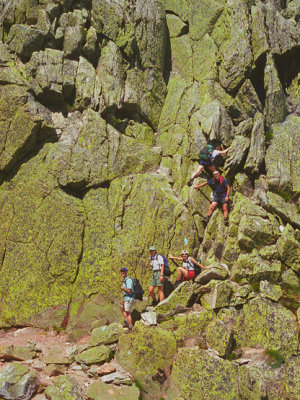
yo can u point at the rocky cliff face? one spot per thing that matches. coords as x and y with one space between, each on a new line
117 97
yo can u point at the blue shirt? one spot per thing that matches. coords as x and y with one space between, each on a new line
128 284
217 186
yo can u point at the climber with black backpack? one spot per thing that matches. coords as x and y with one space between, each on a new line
190 267
207 157
205 161
221 192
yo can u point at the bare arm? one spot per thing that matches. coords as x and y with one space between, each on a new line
228 191
196 262
226 150
174 258
201 185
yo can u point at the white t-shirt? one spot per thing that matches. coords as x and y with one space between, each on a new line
157 261
188 265
215 154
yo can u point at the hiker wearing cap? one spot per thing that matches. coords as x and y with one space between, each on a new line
187 271
157 280
221 195
127 288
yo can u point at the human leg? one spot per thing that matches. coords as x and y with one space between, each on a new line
212 208
127 309
123 310
160 293
194 174
151 291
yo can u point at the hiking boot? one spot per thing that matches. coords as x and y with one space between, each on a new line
206 220
128 330
190 182
154 303
226 221
125 324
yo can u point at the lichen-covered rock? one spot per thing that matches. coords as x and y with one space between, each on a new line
46 68
147 353
106 334
192 325
259 36
270 325
15 352
58 355
24 40
240 145
103 391
64 387
18 382
275 107
285 210
175 25
181 297
270 291
88 86
219 337
282 161
74 39
94 355
235 50
182 57
219 296
289 249
255 232
198 374
215 271
111 75
204 58
20 128
256 153
254 269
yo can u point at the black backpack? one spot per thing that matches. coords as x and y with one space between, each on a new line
197 269
137 289
205 153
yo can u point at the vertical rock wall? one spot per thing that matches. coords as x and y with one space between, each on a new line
104 106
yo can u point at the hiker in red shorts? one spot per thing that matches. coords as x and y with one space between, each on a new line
187 271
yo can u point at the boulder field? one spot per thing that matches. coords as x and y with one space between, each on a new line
104 107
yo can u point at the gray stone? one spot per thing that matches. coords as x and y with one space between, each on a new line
94 355
216 271
106 334
24 40
149 318
282 161
275 106
118 378
219 337
18 382
256 153
64 387
270 291
178 299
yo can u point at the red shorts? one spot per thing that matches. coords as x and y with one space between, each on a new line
190 275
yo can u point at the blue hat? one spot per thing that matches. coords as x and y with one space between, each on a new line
124 269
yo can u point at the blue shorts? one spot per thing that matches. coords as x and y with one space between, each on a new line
220 198
205 163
